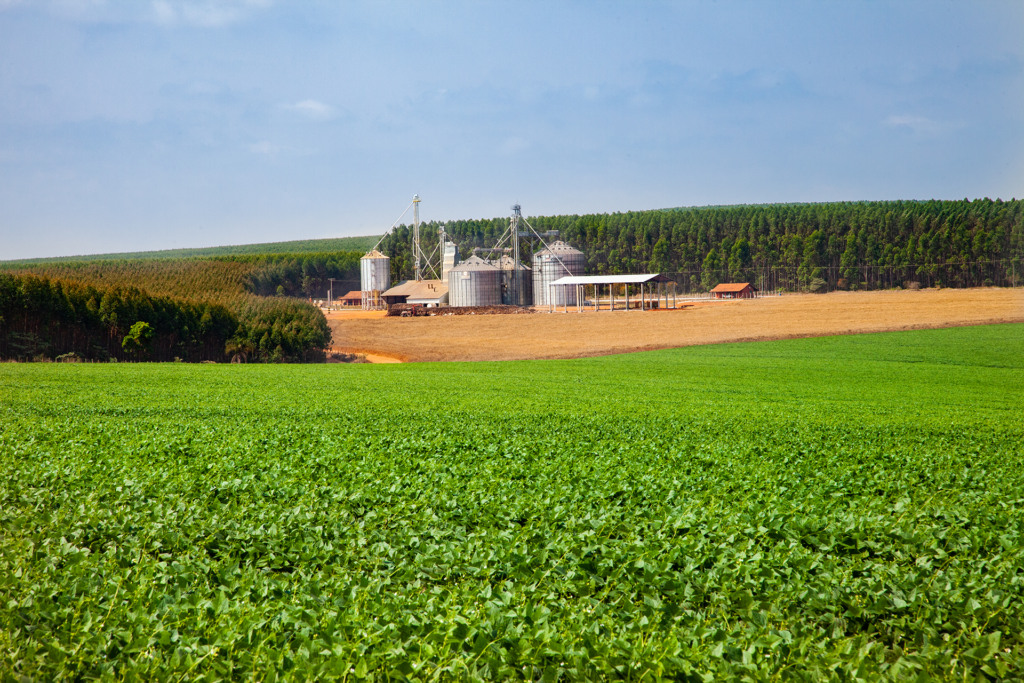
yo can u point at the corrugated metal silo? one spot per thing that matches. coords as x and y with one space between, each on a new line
374 277
474 282
549 264
515 293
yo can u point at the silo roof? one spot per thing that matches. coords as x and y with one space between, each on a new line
472 263
558 247
373 253
508 263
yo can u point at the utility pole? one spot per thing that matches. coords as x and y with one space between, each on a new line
416 251
330 293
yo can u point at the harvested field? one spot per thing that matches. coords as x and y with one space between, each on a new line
574 335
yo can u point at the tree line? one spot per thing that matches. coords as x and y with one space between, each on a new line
220 279
300 275
842 245
42 318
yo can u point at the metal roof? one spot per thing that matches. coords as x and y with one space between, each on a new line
418 289
732 287
637 279
558 247
373 253
508 263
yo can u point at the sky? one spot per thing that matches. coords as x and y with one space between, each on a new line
130 125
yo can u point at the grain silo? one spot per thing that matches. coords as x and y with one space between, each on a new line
516 282
551 263
474 282
374 278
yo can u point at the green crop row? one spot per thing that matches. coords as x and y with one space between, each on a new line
814 509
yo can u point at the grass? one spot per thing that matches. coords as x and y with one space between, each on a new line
818 508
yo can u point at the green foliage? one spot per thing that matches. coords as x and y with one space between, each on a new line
138 339
215 289
307 275
867 244
51 318
837 508
335 244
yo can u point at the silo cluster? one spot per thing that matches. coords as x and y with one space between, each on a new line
478 282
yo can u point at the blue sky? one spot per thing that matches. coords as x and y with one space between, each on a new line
131 125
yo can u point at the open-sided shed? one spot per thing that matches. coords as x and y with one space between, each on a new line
649 289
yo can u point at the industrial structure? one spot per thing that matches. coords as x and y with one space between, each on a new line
516 282
497 275
374 278
551 263
474 282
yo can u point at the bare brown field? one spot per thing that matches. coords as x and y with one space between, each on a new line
575 335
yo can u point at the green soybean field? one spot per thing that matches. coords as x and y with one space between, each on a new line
845 508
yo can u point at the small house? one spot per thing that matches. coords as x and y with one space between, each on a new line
352 299
735 290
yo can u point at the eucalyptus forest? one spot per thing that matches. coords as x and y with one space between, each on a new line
819 247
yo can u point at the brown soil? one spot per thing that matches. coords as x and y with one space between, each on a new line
574 335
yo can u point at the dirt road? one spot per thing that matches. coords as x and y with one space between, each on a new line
573 335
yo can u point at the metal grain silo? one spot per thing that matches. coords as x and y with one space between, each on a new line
551 263
516 282
474 282
374 277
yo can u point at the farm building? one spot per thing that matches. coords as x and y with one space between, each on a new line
426 292
353 298
657 289
734 290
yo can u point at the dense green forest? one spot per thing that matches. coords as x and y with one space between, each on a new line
47 319
220 279
250 307
795 247
331 244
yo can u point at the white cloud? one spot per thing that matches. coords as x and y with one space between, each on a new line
204 13
264 148
313 109
919 125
